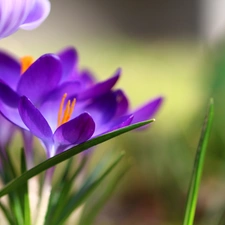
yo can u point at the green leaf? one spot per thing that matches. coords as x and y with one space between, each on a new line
198 167
66 155
95 178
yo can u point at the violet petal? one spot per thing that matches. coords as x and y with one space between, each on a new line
40 78
34 120
86 78
122 103
9 69
115 124
75 131
102 109
148 110
9 101
69 58
8 96
100 88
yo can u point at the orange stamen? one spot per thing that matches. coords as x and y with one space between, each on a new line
63 117
72 108
66 112
26 62
61 109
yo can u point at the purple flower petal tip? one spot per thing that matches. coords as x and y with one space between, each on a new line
148 110
100 88
69 58
75 131
25 14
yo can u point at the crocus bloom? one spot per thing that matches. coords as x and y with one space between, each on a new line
63 106
24 14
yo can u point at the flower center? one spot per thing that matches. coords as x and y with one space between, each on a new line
26 62
64 116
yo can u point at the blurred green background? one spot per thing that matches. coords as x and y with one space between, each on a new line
165 48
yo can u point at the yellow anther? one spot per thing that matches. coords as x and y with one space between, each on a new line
63 117
26 62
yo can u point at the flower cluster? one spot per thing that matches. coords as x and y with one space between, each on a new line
60 104
65 107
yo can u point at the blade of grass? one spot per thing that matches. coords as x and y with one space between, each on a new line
66 155
198 167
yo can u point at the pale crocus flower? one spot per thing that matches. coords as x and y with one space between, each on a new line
22 14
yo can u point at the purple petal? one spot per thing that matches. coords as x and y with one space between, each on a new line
100 88
8 96
40 78
86 78
76 131
34 120
102 109
69 58
122 103
115 124
37 15
7 130
9 101
9 69
147 111
70 88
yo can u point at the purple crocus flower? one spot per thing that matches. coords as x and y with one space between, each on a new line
61 105
24 14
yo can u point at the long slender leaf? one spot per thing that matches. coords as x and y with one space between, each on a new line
198 167
66 155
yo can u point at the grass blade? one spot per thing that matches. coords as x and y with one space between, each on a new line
198 167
